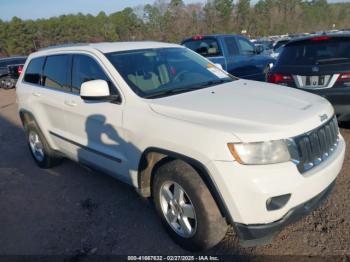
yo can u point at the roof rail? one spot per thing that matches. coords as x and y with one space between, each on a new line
63 45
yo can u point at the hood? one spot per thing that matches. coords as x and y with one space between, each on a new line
251 111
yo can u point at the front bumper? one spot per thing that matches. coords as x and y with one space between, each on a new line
253 232
245 190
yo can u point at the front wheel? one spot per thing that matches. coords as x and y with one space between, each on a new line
188 210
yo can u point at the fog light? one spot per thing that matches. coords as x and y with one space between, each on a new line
275 203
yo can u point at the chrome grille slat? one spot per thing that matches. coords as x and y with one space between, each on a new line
317 145
316 148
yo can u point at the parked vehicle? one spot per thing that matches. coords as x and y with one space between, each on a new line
210 149
320 65
10 69
235 53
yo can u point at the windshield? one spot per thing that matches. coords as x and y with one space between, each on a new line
155 73
332 51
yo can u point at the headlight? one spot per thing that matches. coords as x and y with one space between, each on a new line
260 153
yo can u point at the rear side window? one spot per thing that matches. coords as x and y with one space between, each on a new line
207 47
56 72
280 43
34 69
86 69
313 52
231 46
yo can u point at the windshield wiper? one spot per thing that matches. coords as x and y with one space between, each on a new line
171 92
330 60
187 89
214 82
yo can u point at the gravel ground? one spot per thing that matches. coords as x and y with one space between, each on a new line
74 211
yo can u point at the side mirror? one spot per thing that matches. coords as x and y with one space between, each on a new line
259 49
95 90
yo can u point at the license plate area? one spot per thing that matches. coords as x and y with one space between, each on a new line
313 82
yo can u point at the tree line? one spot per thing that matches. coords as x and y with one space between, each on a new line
172 20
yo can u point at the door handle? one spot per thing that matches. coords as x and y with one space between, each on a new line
70 103
37 94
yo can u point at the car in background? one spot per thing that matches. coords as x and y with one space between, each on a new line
234 53
10 69
320 65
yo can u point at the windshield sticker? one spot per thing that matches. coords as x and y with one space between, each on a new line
217 72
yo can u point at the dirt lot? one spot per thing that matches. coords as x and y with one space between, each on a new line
72 210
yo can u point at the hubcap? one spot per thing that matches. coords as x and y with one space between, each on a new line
36 146
178 209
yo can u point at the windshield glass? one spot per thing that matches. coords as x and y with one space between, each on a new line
333 51
155 73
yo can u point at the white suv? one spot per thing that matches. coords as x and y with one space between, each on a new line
210 149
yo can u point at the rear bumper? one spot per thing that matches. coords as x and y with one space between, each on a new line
262 232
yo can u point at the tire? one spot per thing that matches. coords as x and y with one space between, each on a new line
40 150
193 219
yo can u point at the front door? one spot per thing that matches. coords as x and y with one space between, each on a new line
95 127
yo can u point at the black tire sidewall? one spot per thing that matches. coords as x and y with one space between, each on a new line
208 216
48 159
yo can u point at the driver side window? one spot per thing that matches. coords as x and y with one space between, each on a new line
246 47
86 69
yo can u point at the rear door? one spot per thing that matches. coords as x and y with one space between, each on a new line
94 128
48 96
245 65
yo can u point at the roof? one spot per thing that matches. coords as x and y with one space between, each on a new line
109 47
211 36
305 38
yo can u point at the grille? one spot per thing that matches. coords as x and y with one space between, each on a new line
317 145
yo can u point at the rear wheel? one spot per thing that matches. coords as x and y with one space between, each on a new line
186 207
43 155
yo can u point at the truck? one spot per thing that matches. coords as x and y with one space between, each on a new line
236 54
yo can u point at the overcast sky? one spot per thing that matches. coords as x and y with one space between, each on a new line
32 9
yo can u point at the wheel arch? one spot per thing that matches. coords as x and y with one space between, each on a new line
26 117
154 157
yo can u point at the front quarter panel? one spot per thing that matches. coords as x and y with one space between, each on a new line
147 129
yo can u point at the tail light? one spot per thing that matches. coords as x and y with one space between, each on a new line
197 37
320 38
277 78
344 77
19 70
